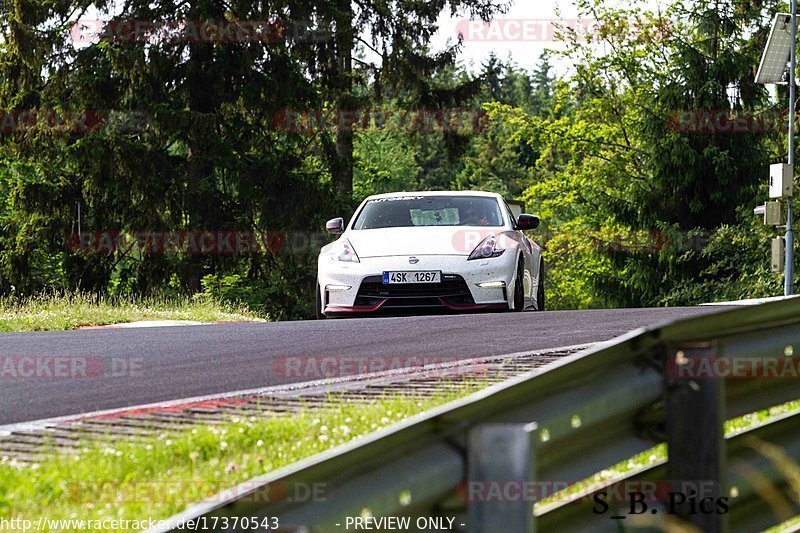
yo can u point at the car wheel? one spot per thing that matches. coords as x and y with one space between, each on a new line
318 306
519 288
540 288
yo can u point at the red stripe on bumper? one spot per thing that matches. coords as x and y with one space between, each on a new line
353 309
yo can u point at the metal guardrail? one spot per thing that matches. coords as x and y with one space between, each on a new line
567 422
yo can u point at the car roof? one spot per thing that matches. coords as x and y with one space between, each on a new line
435 193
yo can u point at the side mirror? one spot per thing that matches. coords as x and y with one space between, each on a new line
335 226
527 222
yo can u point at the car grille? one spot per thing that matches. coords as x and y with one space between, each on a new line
452 290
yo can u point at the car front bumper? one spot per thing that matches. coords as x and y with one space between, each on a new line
349 288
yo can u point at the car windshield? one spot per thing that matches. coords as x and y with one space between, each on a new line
414 211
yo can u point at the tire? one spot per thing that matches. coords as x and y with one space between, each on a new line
318 304
540 288
519 288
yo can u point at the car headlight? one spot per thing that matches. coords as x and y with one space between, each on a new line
487 249
344 252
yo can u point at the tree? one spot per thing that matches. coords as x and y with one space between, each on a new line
182 140
628 182
542 81
396 35
499 159
182 130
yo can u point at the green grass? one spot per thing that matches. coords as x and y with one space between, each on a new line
160 476
59 311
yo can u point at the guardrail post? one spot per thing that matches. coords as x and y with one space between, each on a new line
695 417
499 471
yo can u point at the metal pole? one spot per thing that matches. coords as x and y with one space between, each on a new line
695 434
502 452
789 272
789 275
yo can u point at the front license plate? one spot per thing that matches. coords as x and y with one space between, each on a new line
396 278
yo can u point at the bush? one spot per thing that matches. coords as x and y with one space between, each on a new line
281 289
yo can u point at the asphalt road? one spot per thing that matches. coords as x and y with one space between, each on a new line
51 374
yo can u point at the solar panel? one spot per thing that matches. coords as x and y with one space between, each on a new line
776 54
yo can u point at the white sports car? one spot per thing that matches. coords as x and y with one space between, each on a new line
454 251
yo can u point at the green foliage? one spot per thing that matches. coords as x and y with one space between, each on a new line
187 138
496 161
736 266
615 165
623 189
284 291
385 162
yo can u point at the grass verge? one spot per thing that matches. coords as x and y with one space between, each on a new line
158 477
60 311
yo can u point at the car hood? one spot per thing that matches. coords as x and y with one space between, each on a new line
418 241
